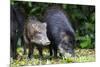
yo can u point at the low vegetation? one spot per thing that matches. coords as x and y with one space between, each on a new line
82 55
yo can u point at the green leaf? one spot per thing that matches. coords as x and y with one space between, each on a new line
86 42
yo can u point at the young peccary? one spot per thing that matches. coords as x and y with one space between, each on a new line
35 35
59 32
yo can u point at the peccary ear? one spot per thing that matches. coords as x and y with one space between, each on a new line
44 24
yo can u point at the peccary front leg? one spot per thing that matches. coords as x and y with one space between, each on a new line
30 51
40 52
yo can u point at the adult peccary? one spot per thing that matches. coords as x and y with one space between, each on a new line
59 31
35 35
16 28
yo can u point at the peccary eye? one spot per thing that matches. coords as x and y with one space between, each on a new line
39 32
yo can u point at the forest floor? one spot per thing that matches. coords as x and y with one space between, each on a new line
82 55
